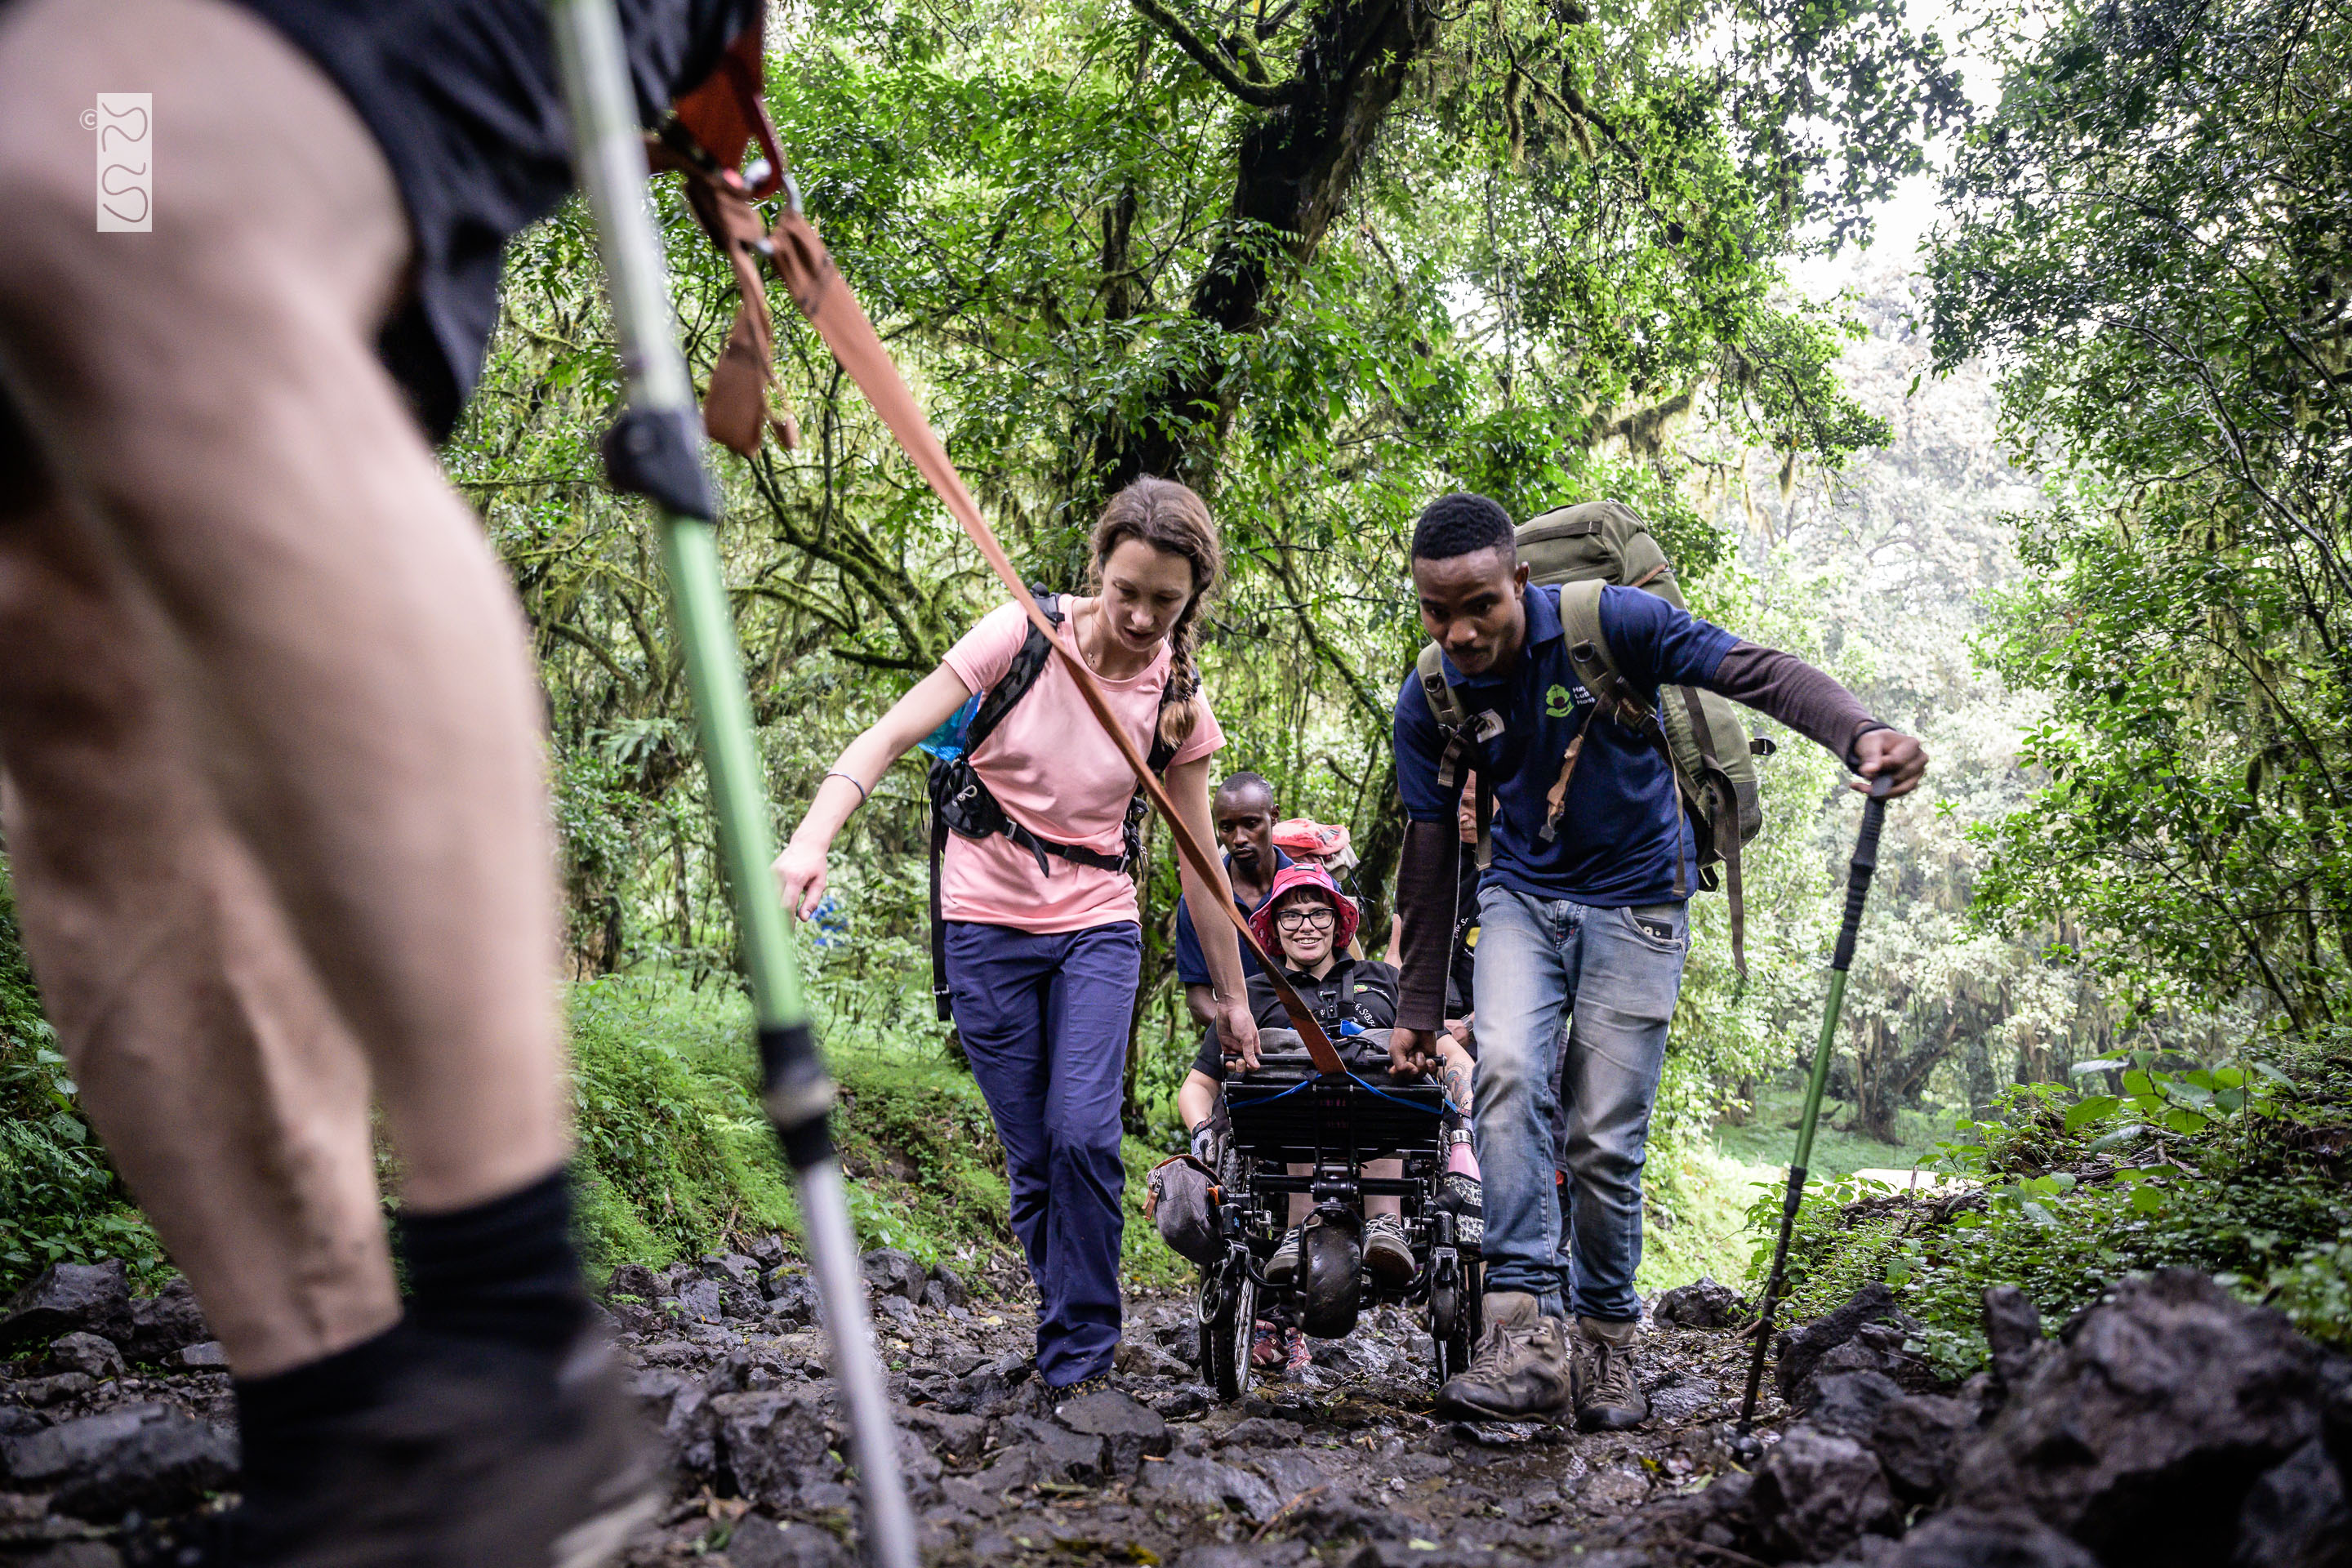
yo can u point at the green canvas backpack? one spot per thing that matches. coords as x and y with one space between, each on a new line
1583 549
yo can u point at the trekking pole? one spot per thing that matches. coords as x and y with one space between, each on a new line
1857 888
656 450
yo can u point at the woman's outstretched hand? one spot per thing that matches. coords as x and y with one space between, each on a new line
1237 1033
799 880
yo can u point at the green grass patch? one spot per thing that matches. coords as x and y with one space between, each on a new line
1768 1137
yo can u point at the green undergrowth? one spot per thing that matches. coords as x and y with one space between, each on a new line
1694 1215
2238 1170
59 1200
675 1159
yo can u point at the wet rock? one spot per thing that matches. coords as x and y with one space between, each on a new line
1973 1538
75 1554
1191 1481
767 1251
780 1445
2142 1435
1848 1403
1799 1350
1917 1439
760 1542
1130 1429
1679 1399
636 1280
42 1392
209 1356
699 1302
1702 1304
70 1298
679 1406
1246 1554
792 1300
953 1437
2295 1516
1816 1494
2012 1328
896 1309
730 1268
154 1458
890 1272
1261 1432
952 1289
16 1421
1179 1403
92 1355
1141 1358
1062 1455
1292 1471
165 1322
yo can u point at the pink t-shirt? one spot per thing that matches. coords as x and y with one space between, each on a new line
1056 773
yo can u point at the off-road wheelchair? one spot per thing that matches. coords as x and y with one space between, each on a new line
1286 1113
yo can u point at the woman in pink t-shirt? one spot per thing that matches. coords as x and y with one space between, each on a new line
1044 951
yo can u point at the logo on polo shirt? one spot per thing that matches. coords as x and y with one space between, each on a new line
1558 703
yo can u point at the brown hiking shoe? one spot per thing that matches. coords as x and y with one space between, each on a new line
1521 1370
1387 1257
1613 1399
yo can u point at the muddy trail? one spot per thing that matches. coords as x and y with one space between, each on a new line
2172 1425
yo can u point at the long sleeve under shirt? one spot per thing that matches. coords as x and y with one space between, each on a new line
1616 842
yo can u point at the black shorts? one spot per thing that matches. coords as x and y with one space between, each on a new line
462 96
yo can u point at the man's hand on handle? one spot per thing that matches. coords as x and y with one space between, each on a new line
1412 1053
1237 1033
1890 751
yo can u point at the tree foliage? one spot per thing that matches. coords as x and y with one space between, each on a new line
2153 234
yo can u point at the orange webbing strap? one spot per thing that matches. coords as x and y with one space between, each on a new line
800 259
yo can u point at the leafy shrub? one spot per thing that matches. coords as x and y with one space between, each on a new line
2237 1170
60 1201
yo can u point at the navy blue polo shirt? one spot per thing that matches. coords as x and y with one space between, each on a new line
1192 965
1615 845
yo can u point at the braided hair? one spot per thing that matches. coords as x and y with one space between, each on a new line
1168 517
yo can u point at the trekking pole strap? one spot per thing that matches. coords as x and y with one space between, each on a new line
824 297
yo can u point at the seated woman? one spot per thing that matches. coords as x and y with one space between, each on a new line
1305 924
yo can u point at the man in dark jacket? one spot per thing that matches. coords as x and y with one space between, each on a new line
1579 917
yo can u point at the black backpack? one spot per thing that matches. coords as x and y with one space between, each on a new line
961 804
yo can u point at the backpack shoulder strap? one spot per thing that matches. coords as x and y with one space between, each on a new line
1445 702
1028 663
1588 651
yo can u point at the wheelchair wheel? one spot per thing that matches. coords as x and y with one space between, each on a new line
1330 1268
1228 1316
1455 1306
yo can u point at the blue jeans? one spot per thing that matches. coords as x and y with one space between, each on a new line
1045 1021
1614 974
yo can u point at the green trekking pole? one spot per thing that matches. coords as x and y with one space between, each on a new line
656 450
1857 888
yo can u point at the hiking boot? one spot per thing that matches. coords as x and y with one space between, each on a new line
1388 1255
1522 1370
478 1456
1282 1269
1613 1399
1101 1383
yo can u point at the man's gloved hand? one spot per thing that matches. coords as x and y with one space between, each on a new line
1204 1145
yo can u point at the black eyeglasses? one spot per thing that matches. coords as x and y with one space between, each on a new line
1319 918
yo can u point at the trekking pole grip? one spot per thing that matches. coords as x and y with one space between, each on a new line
1859 870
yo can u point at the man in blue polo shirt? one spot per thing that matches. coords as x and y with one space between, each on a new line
1579 916
1242 810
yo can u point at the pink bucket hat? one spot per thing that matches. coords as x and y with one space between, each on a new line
1289 879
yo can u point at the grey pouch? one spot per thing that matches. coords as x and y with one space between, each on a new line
1185 1209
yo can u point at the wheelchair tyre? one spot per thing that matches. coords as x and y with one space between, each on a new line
1228 1330
1456 1306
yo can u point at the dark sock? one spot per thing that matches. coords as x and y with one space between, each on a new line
277 1415
504 1270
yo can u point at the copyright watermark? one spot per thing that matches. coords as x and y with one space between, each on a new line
125 124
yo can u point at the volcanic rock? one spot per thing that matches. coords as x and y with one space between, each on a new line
70 1298
950 1287
210 1355
1195 1482
1815 1494
636 1280
167 1321
1702 1304
1132 1430
1917 1440
699 1300
1971 1538
780 1447
154 1458
93 1356
1063 1454
2143 1435
890 1272
760 1542
1799 1350
2012 1328
2295 1516
1847 1403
